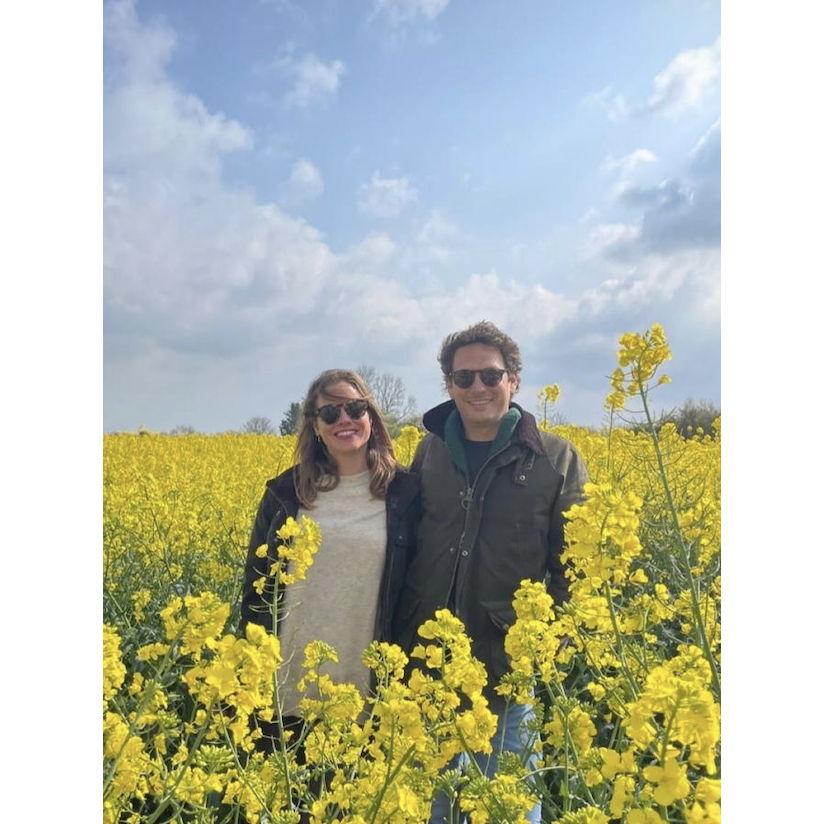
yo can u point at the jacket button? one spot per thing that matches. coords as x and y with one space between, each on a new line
521 477
452 549
464 553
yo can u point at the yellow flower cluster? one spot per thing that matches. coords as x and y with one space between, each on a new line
301 540
602 537
114 672
406 443
237 681
194 621
457 674
639 357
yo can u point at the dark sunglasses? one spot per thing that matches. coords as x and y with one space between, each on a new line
330 412
464 378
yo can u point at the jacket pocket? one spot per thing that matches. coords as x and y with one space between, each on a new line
500 613
501 616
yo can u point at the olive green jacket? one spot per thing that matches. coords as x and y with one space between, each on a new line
477 542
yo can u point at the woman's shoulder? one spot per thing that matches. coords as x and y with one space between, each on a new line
283 485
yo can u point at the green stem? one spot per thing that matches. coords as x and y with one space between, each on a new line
620 643
166 798
240 769
390 777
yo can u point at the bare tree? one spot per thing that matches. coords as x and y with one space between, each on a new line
369 375
390 393
258 426
397 407
182 429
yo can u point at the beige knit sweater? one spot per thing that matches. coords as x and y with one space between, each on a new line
337 602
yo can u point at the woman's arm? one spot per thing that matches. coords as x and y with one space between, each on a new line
254 606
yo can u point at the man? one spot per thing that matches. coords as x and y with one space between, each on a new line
494 489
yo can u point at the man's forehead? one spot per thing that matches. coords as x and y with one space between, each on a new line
477 355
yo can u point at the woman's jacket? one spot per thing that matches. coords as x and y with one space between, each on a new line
280 502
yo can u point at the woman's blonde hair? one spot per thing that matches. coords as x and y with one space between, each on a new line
316 468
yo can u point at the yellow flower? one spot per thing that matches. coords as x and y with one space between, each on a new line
301 540
643 816
671 781
140 600
114 673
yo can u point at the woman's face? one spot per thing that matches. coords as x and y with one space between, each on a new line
347 436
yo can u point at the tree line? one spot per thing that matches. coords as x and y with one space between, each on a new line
399 409
397 406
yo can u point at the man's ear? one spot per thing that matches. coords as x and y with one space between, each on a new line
515 380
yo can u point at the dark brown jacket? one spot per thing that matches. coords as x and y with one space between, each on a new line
477 542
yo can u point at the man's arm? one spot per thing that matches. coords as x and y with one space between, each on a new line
572 492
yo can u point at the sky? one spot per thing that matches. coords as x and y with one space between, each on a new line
291 187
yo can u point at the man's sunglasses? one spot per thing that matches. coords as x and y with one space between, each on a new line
330 412
464 378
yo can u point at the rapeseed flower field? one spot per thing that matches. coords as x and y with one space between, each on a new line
626 674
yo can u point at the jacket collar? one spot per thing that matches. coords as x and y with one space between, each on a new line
455 436
404 487
525 432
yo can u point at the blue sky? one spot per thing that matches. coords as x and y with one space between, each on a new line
291 187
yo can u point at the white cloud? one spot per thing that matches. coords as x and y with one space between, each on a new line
686 81
315 81
189 263
615 106
705 157
305 183
381 308
143 48
371 254
386 197
684 84
627 164
435 241
654 280
399 12
606 236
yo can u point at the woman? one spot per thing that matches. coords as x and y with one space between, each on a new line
347 480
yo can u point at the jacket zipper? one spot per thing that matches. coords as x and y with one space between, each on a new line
466 504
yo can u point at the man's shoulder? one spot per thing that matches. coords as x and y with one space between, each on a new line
560 452
554 443
403 483
430 443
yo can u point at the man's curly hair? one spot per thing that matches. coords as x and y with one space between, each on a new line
482 332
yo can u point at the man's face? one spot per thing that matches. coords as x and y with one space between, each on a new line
481 407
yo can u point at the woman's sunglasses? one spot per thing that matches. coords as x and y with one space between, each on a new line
330 412
464 378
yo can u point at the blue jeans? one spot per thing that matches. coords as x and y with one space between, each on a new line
511 736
